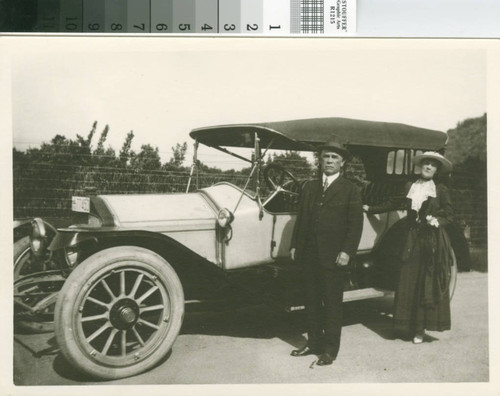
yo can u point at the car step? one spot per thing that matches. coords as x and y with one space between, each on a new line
351 295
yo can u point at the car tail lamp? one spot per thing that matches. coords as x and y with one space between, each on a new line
224 217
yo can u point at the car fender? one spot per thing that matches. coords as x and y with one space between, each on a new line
102 238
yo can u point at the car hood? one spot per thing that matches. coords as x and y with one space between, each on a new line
159 212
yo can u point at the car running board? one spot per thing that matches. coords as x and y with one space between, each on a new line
351 295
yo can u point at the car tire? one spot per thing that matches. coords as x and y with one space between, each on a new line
22 251
37 324
453 274
119 312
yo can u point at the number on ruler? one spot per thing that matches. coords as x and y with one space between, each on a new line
228 27
252 27
161 26
94 26
116 26
184 26
271 27
206 27
142 26
70 24
48 22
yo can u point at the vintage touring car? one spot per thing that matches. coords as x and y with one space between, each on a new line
114 285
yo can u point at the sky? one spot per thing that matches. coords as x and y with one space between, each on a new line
163 89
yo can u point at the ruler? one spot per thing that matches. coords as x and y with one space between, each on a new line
221 17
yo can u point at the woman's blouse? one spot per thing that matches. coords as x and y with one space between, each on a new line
420 191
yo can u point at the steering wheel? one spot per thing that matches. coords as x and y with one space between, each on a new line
278 177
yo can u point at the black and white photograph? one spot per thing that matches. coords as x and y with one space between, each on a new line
192 211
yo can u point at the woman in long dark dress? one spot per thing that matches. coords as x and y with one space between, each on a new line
422 297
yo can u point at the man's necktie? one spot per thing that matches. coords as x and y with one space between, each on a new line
325 184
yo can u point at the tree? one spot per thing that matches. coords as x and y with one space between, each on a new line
467 141
147 159
178 155
105 157
62 151
466 149
91 133
125 152
17 156
102 139
292 161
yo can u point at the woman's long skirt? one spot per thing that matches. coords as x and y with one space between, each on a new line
410 314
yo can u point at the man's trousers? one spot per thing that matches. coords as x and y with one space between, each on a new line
324 288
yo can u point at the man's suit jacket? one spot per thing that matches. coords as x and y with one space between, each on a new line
333 219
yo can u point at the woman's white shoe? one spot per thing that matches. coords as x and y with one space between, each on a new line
419 337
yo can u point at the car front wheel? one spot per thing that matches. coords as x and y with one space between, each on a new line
119 312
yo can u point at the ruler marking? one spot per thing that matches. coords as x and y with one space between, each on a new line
312 16
230 16
138 16
184 16
48 15
93 16
251 16
71 14
276 17
115 16
206 16
267 17
295 16
161 16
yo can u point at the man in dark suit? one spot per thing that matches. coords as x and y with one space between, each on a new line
326 236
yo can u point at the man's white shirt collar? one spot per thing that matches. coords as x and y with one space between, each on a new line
330 178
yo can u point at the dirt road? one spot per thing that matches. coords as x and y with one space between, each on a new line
253 346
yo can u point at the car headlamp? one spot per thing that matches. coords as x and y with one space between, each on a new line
224 217
38 237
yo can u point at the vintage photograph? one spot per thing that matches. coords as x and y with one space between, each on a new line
192 212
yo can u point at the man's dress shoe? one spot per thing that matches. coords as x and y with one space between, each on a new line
325 359
305 351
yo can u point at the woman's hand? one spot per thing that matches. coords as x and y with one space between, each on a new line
366 208
292 253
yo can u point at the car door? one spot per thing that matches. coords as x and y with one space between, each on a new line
283 224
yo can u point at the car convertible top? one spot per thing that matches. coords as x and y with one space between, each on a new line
308 134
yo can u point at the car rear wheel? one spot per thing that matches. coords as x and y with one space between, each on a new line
453 274
119 312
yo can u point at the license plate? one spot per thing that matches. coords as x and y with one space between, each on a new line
80 204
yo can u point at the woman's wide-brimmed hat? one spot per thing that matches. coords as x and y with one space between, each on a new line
337 147
445 163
